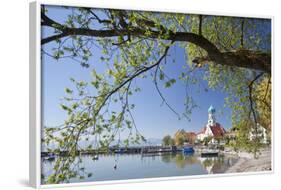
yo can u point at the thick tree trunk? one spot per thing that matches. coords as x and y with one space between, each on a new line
242 58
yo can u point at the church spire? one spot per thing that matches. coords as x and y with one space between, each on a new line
211 109
211 116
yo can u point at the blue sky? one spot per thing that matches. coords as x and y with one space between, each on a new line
152 119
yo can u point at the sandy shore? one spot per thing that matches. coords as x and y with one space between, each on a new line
247 163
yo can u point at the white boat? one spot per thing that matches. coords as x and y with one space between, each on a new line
50 157
209 153
96 157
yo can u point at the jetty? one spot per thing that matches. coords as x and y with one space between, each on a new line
149 150
120 150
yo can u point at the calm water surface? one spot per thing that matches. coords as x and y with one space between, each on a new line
134 166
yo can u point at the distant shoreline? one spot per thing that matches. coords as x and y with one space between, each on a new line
247 163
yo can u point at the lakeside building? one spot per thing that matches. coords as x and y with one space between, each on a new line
183 137
260 133
213 129
191 137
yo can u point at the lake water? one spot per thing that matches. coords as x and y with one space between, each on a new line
134 166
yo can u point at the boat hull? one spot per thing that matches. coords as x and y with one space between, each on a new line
209 154
188 150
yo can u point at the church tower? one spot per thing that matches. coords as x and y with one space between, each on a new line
211 116
212 128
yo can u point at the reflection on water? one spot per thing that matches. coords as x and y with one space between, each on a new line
212 165
134 166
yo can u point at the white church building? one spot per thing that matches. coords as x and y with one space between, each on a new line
212 129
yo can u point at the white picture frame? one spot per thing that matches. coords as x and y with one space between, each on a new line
35 120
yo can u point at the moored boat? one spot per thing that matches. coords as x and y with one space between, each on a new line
95 157
209 153
50 157
187 150
120 151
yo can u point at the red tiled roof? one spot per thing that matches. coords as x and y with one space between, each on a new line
217 130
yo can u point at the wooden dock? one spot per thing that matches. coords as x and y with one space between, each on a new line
121 150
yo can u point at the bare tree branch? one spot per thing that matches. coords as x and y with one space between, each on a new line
242 33
250 86
200 25
161 95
